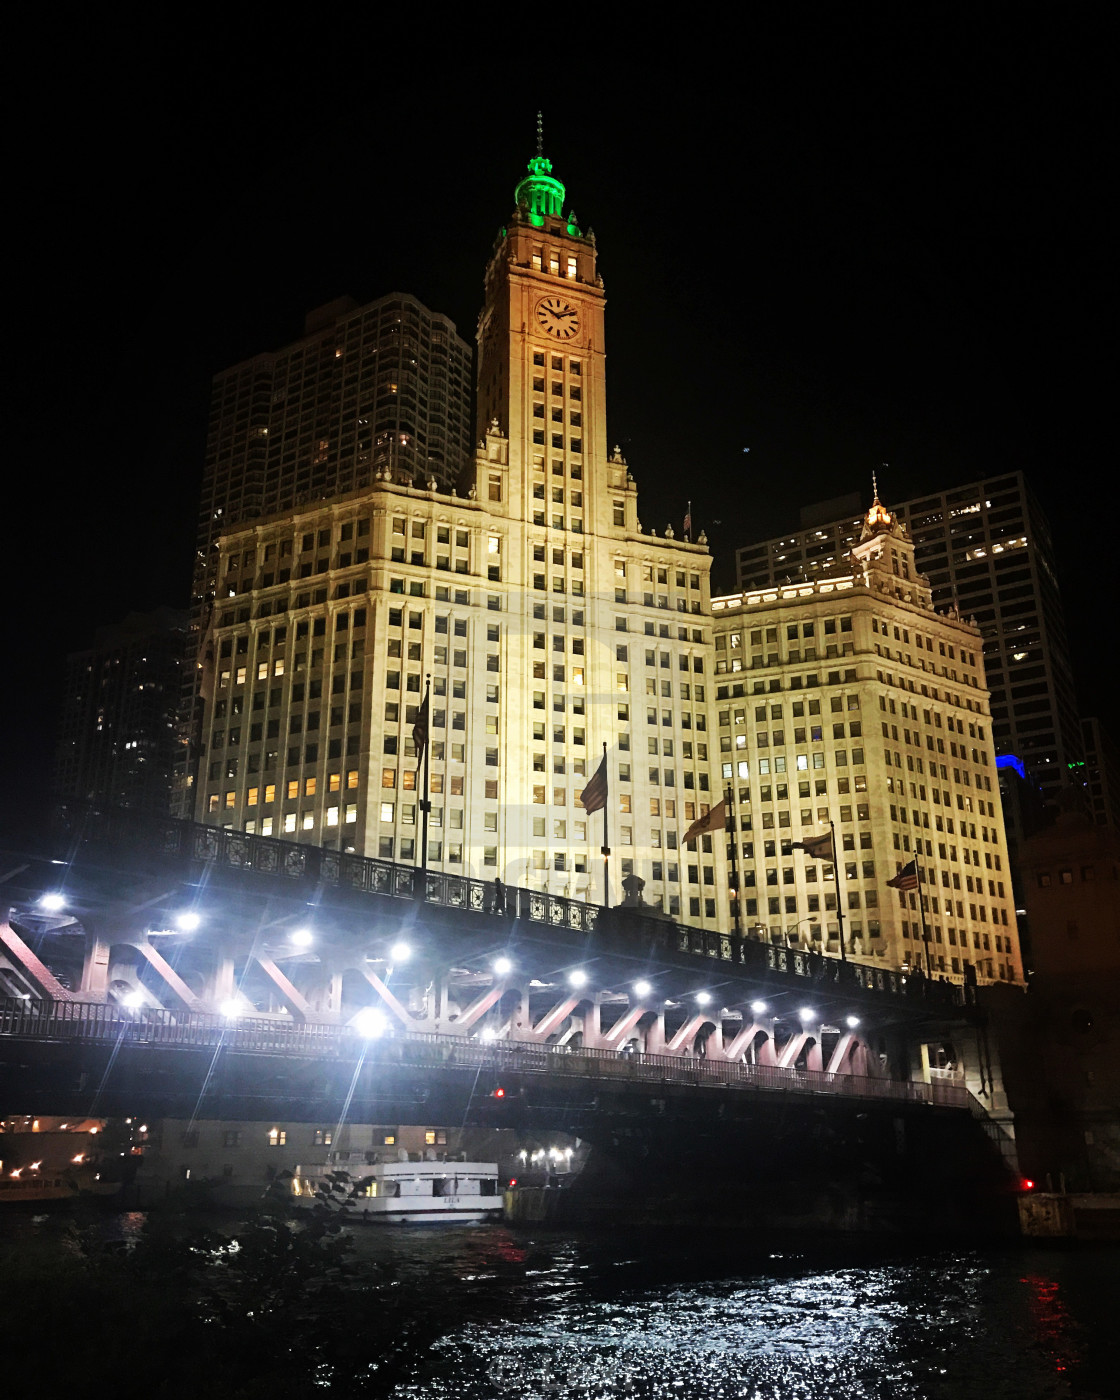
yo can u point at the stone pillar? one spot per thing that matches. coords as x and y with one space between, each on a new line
222 982
95 965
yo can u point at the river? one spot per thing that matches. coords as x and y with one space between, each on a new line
539 1315
625 1317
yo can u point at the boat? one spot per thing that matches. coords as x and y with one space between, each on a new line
38 1163
401 1192
34 1186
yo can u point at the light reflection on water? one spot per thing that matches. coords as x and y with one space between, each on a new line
613 1319
661 1316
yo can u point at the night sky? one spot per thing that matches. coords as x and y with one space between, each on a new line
842 237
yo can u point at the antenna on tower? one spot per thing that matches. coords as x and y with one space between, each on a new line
875 482
540 134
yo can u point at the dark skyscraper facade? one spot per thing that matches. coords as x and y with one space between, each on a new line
117 734
369 392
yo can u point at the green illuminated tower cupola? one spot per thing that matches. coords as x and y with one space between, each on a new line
540 194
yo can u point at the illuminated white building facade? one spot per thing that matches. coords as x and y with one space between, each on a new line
551 625
848 698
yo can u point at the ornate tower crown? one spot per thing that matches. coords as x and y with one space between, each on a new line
540 193
879 520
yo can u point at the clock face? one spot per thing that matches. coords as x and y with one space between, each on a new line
558 318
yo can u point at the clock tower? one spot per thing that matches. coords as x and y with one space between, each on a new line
603 625
541 364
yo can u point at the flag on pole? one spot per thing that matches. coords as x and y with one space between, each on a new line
420 728
817 847
714 819
688 522
906 879
594 796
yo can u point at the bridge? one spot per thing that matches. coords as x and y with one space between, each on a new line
182 970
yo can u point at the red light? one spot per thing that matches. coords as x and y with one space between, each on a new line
1027 1184
513 1181
499 1093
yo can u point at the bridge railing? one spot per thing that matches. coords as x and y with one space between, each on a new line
89 1022
289 860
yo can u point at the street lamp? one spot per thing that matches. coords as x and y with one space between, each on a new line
371 1022
577 978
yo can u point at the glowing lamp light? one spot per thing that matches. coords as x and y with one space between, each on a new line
52 902
303 937
1026 1184
132 1000
642 988
231 1008
578 978
498 1094
758 1007
371 1022
703 998
488 1034
400 952
852 1022
807 1013
188 921
503 967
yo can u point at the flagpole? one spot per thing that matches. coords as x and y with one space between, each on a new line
922 912
606 846
733 830
839 892
425 804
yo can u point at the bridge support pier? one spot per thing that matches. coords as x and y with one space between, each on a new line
222 983
95 965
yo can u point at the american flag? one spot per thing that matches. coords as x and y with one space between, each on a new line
906 879
594 796
688 522
420 728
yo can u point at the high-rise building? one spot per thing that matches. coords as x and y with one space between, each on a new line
847 706
1101 774
369 393
986 549
558 635
117 732
367 389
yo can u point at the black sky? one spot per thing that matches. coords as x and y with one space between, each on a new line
838 236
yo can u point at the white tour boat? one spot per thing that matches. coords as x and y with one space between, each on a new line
402 1192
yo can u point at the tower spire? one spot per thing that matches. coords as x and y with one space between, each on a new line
540 193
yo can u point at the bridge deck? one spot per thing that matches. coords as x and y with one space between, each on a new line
88 1024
